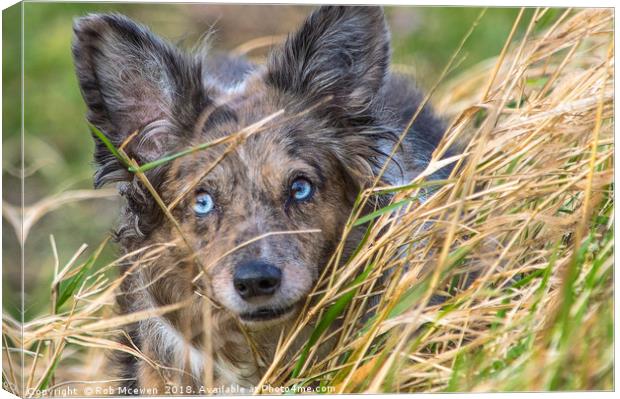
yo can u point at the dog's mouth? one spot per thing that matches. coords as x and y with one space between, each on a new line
267 314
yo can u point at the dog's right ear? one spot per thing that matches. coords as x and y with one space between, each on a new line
342 52
131 79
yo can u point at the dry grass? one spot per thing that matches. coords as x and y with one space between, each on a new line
528 216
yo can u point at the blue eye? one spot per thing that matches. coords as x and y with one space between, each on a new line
301 189
203 204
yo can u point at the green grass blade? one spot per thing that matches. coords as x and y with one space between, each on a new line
328 318
158 162
373 215
96 132
68 287
422 184
48 376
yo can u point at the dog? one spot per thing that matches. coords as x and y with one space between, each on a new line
336 114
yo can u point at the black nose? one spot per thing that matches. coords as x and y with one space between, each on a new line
255 278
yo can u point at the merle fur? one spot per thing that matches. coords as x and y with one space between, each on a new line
133 81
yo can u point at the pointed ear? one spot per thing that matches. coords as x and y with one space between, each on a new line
130 80
339 51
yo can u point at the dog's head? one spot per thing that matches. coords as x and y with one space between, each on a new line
264 214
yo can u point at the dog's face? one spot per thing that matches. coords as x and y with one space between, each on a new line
266 217
264 214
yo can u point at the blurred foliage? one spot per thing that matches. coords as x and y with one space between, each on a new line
437 31
58 147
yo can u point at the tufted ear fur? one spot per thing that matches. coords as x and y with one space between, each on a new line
339 51
131 81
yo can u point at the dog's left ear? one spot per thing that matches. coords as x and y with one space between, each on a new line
342 52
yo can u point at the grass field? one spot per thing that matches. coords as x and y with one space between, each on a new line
529 213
